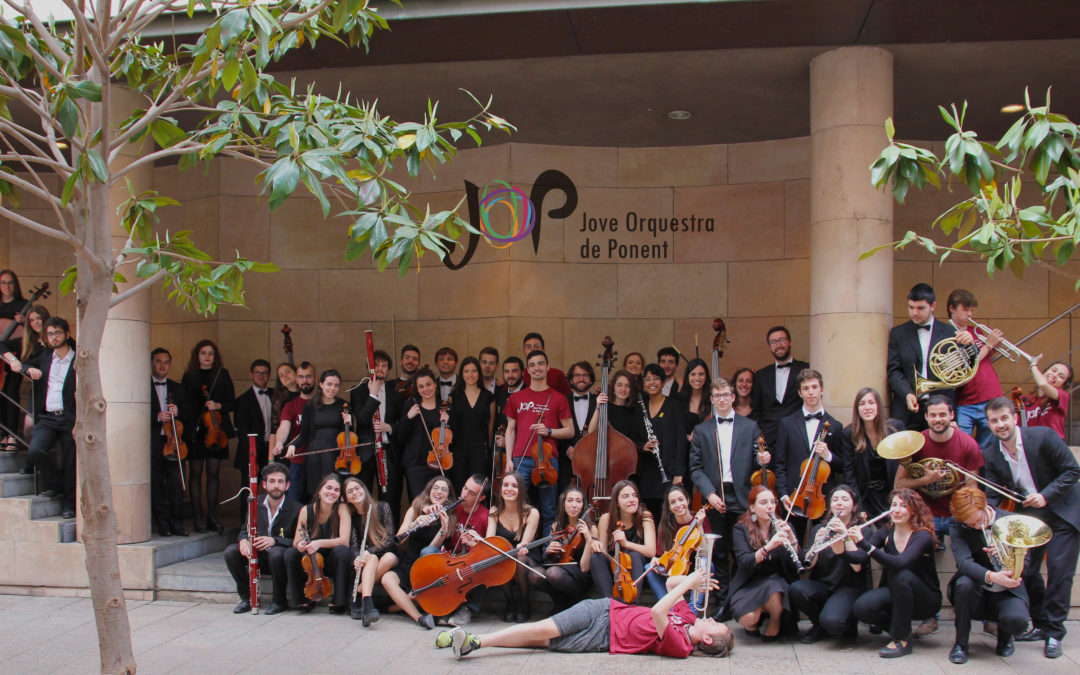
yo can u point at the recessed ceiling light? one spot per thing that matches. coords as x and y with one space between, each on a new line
679 115
1012 108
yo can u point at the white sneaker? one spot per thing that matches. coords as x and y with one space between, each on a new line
462 617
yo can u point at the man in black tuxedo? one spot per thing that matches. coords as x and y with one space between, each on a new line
364 401
909 347
668 359
775 394
513 381
793 443
252 415
446 362
1035 462
167 402
275 528
582 405
53 373
721 461
407 366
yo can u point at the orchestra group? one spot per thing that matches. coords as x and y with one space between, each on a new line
736 499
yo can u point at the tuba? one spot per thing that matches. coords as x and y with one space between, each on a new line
952 363
1010 538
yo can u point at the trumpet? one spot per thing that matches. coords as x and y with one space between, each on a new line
1005 348
703 561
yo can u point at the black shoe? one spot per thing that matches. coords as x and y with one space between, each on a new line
26 470
752 633
723 615
356 612
958 654
49 493
521 614
812 636
243 607
275 608
876 630
1006 648
306 607
68 512
213 524
426 621
337 609
199 526
1033 635
1053 648
164 532
370 614
178 529
902 648
771 638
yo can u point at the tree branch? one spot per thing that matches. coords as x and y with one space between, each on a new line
63 236
42 31
137 288
88 29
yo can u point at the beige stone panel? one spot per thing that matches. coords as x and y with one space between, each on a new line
584 336
482 253
586 167
1053 344
479 166
171 337
849 86
301 239
201 217
43 255
137 565
653 167
242 342
905 275
7 561
55 302
240 179
5 243
49 564
288 295
343 344
765 161
492 333
770 288
797 218
475 291
749 222
131 503
193 332
551 328
245 228
564 290
198 181
841 186
430 336
14 509
655 291
1000 295
746 341
368 295
1062 287
849 352
841 282
618 211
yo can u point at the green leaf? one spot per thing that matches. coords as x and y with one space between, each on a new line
67 114
230 72
97 166
67 283
69 187
233 24
166 133
87 89
282 177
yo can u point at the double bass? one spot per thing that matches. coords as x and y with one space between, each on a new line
718 345
376 418
604 457
286 344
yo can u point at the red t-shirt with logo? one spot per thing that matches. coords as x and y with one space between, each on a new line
634 632
291 412
1046 412
525 407
960 449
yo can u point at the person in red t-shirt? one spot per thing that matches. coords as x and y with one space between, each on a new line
972 396
534 413
471 514
1048 405
556 379
668 628
290 427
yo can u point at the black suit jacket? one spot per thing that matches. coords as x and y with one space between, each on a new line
43 362
578 431
284 526
905 358
971 559
249 420
1053 468
179 399
705 469
363 406
792 448
766 410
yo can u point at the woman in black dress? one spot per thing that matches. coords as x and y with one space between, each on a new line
694 395
323 419
743 379
513 519
375 556
867 471
669 426
567 583
835 582
328 523
33 343
624 411
11 303
764 567
422 416
637 536
909 587
472 414
207 384
428 538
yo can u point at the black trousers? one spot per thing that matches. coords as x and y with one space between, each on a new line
50 429
337 565
166 492
10 415
1049 609
721 524
417 477
972 600
600 567
272 560
469 458
832 611
905 598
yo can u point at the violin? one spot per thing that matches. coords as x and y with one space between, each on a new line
676 560
347 461
498 457
621 564
317 586
577 540
808 499
543 453
763 476
175 448
439 456
215 438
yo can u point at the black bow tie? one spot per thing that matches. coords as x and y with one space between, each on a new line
264 392
581 397
448 383
784 365
161 384
815 416
721 420
926 326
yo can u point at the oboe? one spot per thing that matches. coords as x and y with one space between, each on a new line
792 551
652 437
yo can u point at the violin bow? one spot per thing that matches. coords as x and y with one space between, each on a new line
179 461
506 555
539 416
431 441
471 512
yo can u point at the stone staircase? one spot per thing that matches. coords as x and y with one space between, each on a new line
23 515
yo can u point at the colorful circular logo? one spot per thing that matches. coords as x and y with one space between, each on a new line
522 215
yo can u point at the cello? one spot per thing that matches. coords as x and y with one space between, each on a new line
347 461
604 457
286 344
718 345
439 456
808 499
543 453
763 476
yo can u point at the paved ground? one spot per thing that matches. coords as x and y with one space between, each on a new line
56 635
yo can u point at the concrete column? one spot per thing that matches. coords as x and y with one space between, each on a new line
851 95
125 363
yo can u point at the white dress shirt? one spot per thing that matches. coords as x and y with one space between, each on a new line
924 344
1021 472
54 394
264 406
812 426
723 438
782 375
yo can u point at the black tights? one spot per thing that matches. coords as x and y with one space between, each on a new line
213 466
563 587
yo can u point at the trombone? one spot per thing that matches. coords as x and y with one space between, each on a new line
1001 490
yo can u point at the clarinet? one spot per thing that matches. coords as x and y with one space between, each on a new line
652 437
425 520
792 551
253 525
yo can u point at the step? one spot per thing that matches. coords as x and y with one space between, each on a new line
172 550
11 462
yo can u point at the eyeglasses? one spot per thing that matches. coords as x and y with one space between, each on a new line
723 396
355 490
778 342
7 283
55 333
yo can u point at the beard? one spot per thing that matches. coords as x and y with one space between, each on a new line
307 389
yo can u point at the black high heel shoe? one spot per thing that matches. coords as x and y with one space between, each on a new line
213 524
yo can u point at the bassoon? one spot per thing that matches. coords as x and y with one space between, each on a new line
253 524
380 453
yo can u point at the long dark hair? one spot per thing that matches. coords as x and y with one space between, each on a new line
640 516
735 382
459 384
857 515
414 392
757 540
193 362
562 518
669 527
881 425
317 400
683 395
523 507
635 388
18 286
32 338
332 522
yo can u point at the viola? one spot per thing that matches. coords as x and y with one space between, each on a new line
621 566
347 461
604 457
318 585
808 499
577 540
175 448
1017 395
498 457
543 454
215 437
439 456
676 560
763 476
